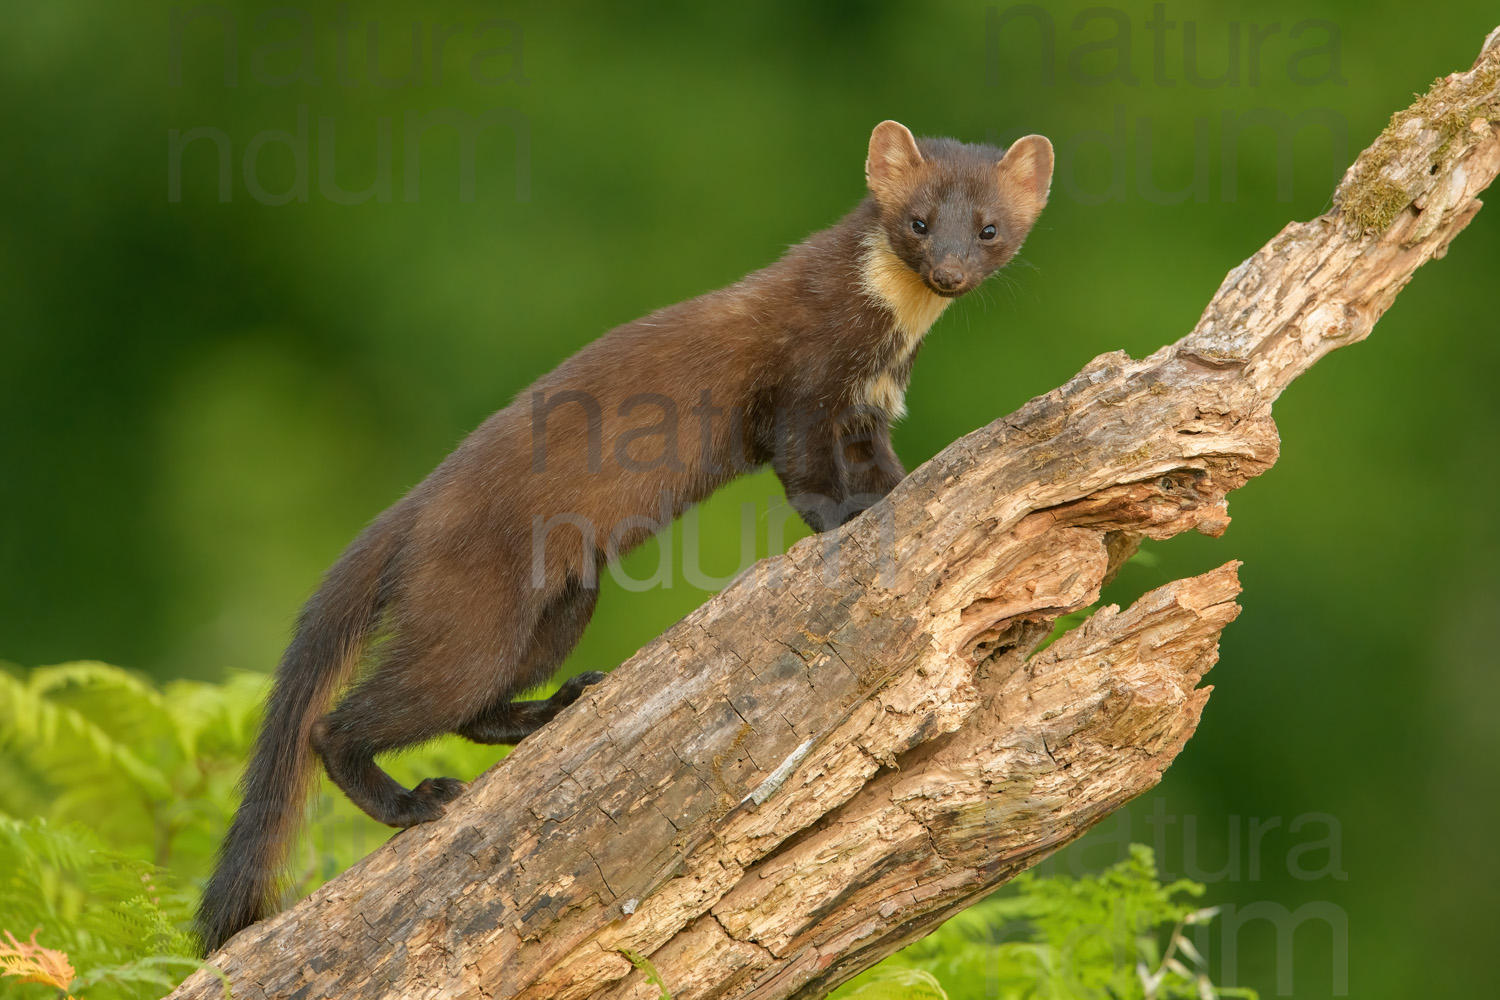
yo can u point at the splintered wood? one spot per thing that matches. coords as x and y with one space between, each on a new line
854 741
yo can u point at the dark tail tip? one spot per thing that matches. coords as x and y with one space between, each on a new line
243 882
223 914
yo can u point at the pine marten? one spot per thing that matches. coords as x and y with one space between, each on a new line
480 580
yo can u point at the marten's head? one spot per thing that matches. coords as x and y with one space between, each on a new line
955 213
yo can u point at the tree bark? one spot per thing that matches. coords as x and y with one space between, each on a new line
856 739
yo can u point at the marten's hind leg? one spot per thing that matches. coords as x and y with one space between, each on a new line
557 632
419 691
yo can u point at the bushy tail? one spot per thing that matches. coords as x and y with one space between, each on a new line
331 633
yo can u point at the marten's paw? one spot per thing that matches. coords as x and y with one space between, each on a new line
431 796
573 687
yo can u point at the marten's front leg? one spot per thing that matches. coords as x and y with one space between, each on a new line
805 459
870 466
834 469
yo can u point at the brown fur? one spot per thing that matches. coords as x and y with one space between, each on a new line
483 577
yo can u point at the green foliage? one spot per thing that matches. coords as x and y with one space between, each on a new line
113 796
1119 934
151 770
121 921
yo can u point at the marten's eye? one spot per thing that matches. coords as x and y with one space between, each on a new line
918 226
987 233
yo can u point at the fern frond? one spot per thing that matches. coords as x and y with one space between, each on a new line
29 962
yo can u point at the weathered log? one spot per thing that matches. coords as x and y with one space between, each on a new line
854 740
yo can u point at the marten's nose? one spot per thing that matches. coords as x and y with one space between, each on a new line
947 277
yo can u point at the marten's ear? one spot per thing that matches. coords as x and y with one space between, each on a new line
893 159
1024 175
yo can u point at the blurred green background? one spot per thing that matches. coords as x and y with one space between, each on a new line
202 402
